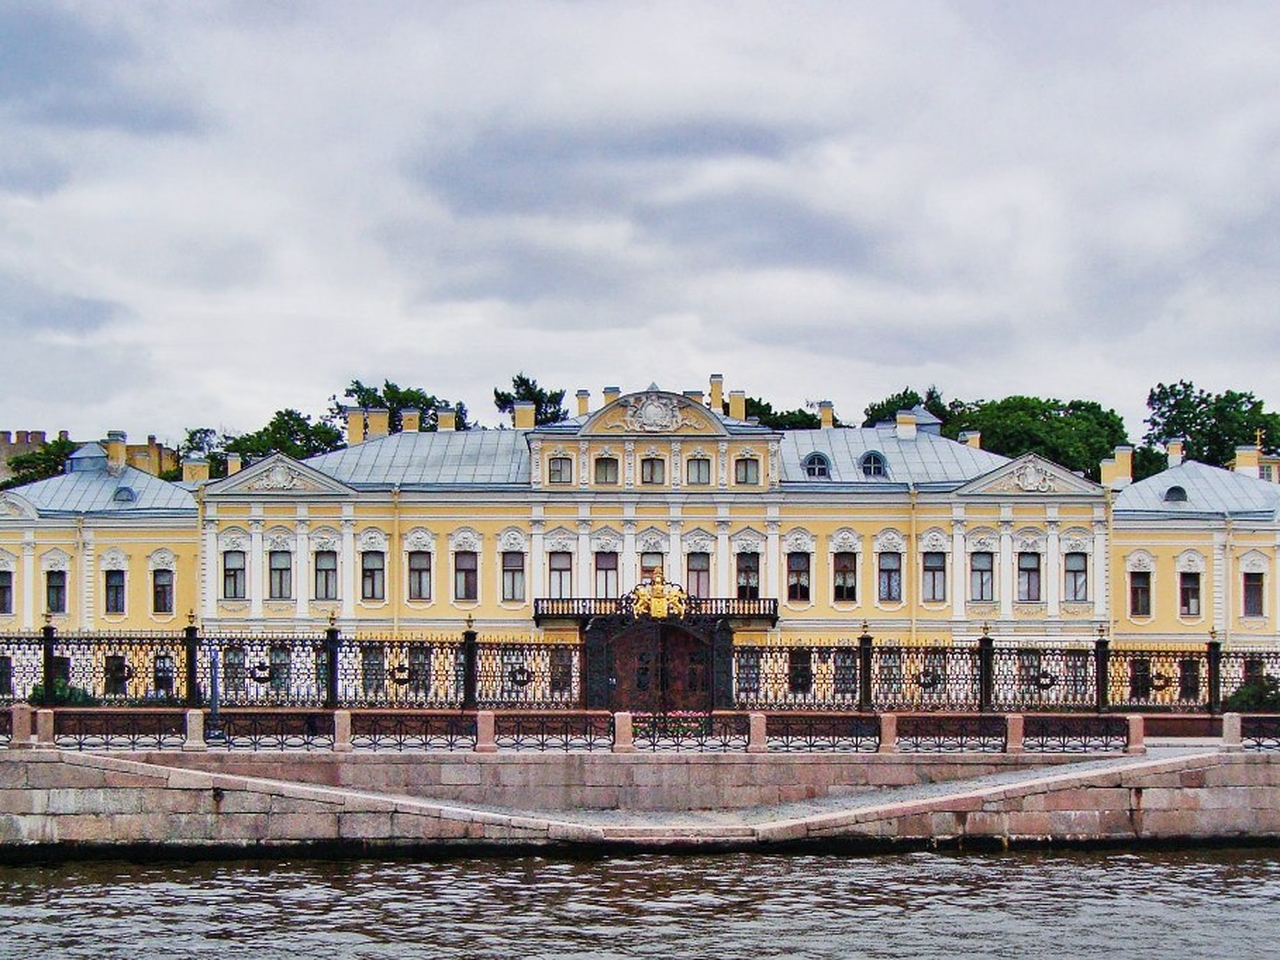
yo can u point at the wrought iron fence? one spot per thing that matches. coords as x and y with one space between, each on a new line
1034 678
412 730
271 730
257 670
925 678
1260 732
692 732
563 731
114 729
1074 733
422 672
529 675
809 733
6 727
947 733
796 678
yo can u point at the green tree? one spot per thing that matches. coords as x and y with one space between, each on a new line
396 399
49 460
909 399
289 432
548 405
1077 434
762 410
204 442
1211 424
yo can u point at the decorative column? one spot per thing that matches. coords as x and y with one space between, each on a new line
675 551
348 564
772 560
537 557
1099 567
209 571
1221 618
724 561
1052 567
88 570
1007 575
959 558
627 573
586 580
29 580
302 564
253 569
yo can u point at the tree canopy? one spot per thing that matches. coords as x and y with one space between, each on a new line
548 405
289 432
798 419
48 460
908 399
396 399
1211 424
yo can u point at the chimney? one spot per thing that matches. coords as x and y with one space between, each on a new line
410 420
971 438
611 395
62 435
355 425
446 418
905 427
737 404
716 402
115 449
524 414
827 413
234 463
695 396
1118 471
377 422
1175 453
1246 462
195 470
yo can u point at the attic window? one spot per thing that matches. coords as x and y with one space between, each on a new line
124 495
817 465
873 464
1175 495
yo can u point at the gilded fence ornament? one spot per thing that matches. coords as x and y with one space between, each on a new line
659 599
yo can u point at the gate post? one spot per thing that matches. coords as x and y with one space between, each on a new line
48 632
470 664
331 636
864 670
986 672
191 641
1215 676
1101 667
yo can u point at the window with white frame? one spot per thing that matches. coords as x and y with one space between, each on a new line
698 581
746 470
512 575
233 575
798 577
373 575
466 580
419 575
6 591
844 577
606 470
650 561
698 472
279 575
1189 593
560 470
1076 576
560 572
982 565
1253 595
326 575
890 577
1139 593
748 576
113 600
934 572
162 591
653 470
1029 577
606 574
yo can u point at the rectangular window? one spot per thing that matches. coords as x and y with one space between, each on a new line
465 575
699 472
419 575
653 470
1253 606
1139 593
326 575
651 561
935 575
890 577
6 591
982 576
233 577
1076 567
560 470
798 577
114 598
607 470
560 568
373 573
746 470
162 591
279 575
512 575
1029 577
845 578
698 581
799 671
1189 594
748 576
55 591
606 575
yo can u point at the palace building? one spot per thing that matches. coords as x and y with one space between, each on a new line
542 533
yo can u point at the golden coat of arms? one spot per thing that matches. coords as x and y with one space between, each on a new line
658 599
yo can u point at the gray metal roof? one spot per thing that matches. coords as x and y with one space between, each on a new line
441 458
95 492
926 459
1210 490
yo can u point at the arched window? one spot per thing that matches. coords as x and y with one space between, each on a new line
817 465
1175 494
873 464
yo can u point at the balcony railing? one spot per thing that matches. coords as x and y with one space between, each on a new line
584 608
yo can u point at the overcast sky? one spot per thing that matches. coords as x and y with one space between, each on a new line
210 211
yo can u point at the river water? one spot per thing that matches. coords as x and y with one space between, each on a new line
1212 904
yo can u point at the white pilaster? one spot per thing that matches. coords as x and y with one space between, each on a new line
209 572
29 580
1099 566
302 569
537 559
1007 572
89 570
348 564
724 561
254 568
959 563
629 560
1052 571
772 560
586 575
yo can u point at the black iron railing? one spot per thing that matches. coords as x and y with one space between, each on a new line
583 608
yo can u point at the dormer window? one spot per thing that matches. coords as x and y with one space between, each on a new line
607 470
699 473
560 470
873 464
746 470
653 470
1175 494
817 465
124 495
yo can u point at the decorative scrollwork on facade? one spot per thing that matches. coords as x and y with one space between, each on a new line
512 540
845 540
1190 561
162 559
233 539
935 540
698 541
1254 562
1076 540
1029 477
464 538
8 562
280 540
1029 540
55 559
561 540
113 559
652 540
372 539
606 540
747 541
1139 560
324 539
982 540
889 541
280 477
419 539
798 540
651 413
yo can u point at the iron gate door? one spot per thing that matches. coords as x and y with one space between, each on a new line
658 668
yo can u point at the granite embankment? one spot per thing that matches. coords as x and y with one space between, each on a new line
63 804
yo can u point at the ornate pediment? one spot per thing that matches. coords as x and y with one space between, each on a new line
654 412
15 507
278 476
1031 475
